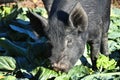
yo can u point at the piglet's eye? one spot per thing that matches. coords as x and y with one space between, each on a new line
69 43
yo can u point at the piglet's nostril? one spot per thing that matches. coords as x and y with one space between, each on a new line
54 65
59 67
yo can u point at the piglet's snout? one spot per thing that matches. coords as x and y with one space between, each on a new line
60 67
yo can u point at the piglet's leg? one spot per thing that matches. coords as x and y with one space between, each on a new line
95 48
104 44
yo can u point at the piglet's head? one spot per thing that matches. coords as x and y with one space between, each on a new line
66 33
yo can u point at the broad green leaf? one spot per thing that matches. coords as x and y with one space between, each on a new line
113 27
23 14
7 63
7 9
104 62
112 45
114 35
44 73
99 76
63 77
42 11
79 71
115 12
13 14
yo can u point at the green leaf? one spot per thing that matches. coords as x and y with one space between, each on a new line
7 9
100 76
7 63
42 11
23 16
63 76
44 73
79 71
115 12
104 62
114 35
112 45
113 28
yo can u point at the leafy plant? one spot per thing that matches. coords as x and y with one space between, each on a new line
7 63
104 62
8 14
114 31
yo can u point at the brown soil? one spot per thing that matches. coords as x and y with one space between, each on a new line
31 4
116 3
25 3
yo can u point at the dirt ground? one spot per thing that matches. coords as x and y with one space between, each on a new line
23 3
31 4
116 3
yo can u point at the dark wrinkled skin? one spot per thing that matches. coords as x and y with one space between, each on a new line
72 24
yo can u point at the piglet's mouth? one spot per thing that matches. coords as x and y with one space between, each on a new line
61 64
60 67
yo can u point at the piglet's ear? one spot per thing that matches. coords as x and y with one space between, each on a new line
78 18
38 23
